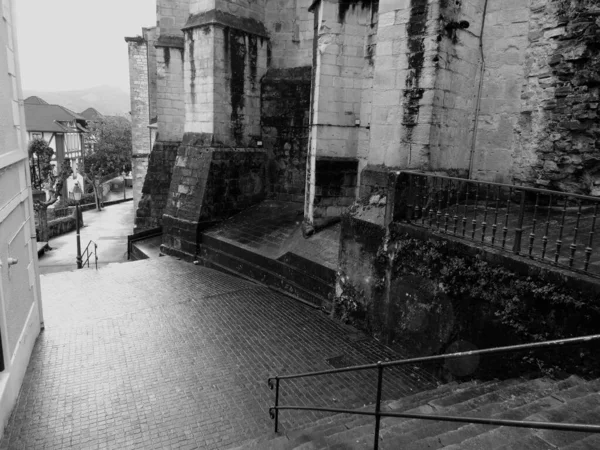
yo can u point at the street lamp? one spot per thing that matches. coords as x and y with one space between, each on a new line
77 196
124 191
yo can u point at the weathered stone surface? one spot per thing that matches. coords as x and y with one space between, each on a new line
285 100
209 184
156 186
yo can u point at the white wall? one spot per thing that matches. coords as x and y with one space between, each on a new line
20 302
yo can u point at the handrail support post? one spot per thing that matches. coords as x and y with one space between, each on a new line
519 229
276 404
380 368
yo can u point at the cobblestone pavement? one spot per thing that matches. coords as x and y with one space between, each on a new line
163 354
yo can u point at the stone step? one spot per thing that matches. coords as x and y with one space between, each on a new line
312 268
437 434
289 265
232 265
491 437
570 400
361 430
585 409
277 274
587 443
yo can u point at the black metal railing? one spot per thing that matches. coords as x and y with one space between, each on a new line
548 226
90 250
274 383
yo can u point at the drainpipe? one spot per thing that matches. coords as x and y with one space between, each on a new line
478 104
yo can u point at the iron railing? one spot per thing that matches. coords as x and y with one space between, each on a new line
548 226
274 383
88 253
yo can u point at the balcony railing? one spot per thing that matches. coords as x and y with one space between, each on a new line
548 226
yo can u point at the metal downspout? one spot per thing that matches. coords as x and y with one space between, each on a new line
478 105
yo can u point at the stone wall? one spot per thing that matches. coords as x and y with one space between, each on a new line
506 35
156 186
140 113
291 30
568 81
170 105
209 184
285 100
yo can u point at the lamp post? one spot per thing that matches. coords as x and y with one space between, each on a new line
124 191
77 196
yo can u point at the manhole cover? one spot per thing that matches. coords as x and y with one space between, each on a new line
338 362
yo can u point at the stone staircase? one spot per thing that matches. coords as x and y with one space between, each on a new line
572 400
289 274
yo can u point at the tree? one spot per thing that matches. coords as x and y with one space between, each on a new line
111 152
46 177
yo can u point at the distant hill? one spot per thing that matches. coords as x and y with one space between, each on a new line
109 100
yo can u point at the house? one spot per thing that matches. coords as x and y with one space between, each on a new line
21 316
64 130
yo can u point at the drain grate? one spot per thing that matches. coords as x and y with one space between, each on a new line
338 362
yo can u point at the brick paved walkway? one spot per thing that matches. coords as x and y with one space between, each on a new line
163 354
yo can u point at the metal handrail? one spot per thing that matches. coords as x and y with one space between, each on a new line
273 383
89 254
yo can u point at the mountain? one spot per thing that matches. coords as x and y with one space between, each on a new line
109 100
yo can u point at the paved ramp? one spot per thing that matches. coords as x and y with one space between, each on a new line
164 354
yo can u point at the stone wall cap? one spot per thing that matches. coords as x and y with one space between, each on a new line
136 39
216 17
313 5
165 40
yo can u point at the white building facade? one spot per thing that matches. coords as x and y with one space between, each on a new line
20 299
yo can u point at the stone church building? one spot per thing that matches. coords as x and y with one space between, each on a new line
237 101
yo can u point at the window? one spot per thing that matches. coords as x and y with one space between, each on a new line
37 136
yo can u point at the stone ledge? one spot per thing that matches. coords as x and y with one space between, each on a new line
136 40
169 41
216 17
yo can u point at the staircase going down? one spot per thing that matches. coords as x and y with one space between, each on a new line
572 400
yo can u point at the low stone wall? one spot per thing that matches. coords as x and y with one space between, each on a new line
425 293
58 227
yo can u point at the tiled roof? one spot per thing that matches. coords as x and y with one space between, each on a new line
35 100
91 113
45 117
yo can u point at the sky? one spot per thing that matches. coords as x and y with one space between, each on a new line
76 44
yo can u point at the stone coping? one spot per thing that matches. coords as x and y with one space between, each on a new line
216 17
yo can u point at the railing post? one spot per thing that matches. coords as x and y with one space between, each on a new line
519 229
378 405
276 404
274 411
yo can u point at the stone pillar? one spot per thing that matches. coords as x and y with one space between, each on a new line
140 134
218 170
339 67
